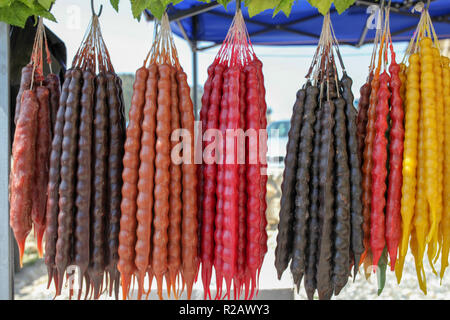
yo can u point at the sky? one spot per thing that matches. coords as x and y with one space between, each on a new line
129 41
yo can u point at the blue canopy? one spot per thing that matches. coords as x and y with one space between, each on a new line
199 21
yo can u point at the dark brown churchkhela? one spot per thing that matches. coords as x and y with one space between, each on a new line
357 246
302 185
285 233
68 178
326 203
325 229
51 230
122 105
84 177
313 237
116 142
53 85
342 199
99 185
361 120
42 154
25 83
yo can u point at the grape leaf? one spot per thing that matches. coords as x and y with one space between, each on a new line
137 6
39 10
115 4
46 4
342 5
322 5
167 2
5 3
258 6
16 14
223 2
285 6
28 3
157 8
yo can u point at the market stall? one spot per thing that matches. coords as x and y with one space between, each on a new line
201 24
157 231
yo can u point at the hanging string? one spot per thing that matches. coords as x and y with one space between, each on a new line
92 53
163 50
237 48
36 56
93 11
323 70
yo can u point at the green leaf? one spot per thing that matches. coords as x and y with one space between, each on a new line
39 10
115 4
157 8
381 272
285 6
342 5
167 2
28 3
224 3
137 6
46 4
258 6
16 14
5 3
322 5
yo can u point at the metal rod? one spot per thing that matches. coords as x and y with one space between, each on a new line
6 248
363 36
209 47
93 11
183 14
183 32
270 27
238 5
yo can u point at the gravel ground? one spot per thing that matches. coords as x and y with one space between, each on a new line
31 282
408 289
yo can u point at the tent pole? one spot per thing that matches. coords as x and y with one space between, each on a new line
194 67
195 77
6 248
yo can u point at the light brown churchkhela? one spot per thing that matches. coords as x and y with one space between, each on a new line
21 176
175 201
29 175
162 177
159 223
145 197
